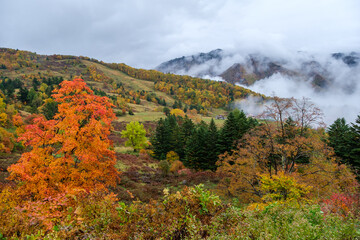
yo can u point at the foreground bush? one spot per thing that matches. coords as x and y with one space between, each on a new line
279 222
60 217
193 213
188 214
346 205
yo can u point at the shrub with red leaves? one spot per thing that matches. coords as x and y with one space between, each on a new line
342 204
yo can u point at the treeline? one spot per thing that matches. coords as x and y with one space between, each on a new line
125 95
15 59
11 61
198 145
190 90
345 139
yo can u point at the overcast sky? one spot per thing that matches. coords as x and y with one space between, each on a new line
144 33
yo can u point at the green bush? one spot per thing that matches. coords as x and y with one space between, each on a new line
165 167
279 222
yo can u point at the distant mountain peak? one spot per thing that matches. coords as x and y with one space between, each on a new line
184 64
246 69
351 59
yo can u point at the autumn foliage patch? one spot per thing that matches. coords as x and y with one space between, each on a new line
69 155
72 150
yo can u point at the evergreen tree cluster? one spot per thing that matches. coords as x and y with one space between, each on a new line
198 145
177 104
150 96
32 95
8 86
345 139
40 90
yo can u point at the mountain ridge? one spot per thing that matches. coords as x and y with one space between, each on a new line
254 67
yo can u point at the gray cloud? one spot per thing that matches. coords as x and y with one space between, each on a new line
145 33
340 99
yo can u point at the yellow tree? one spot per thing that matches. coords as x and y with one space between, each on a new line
177 112
136 135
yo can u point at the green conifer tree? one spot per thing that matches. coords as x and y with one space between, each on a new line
355 145
161 140
340 139
196 148
212 145
228 134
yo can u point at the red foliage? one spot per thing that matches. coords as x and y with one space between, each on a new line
342 204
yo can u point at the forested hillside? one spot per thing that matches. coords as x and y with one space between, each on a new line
195 92
91 150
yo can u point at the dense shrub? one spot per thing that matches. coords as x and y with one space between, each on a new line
176 166
342 204
193 213
279 222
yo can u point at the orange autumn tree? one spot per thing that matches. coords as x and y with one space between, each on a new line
72 151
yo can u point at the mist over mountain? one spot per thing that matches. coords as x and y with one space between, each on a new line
186 64
329 80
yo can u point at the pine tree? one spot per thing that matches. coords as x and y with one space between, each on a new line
212 145
175 105
290 128
168 137
355 145
187 129
235 126
23 95
196 148
161 140
340 138
345 140
228 134
242 122
166 110
175 140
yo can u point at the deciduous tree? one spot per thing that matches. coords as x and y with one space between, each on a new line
136 135
72 151
177 112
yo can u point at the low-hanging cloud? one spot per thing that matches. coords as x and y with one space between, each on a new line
340 99
252 106
145 33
